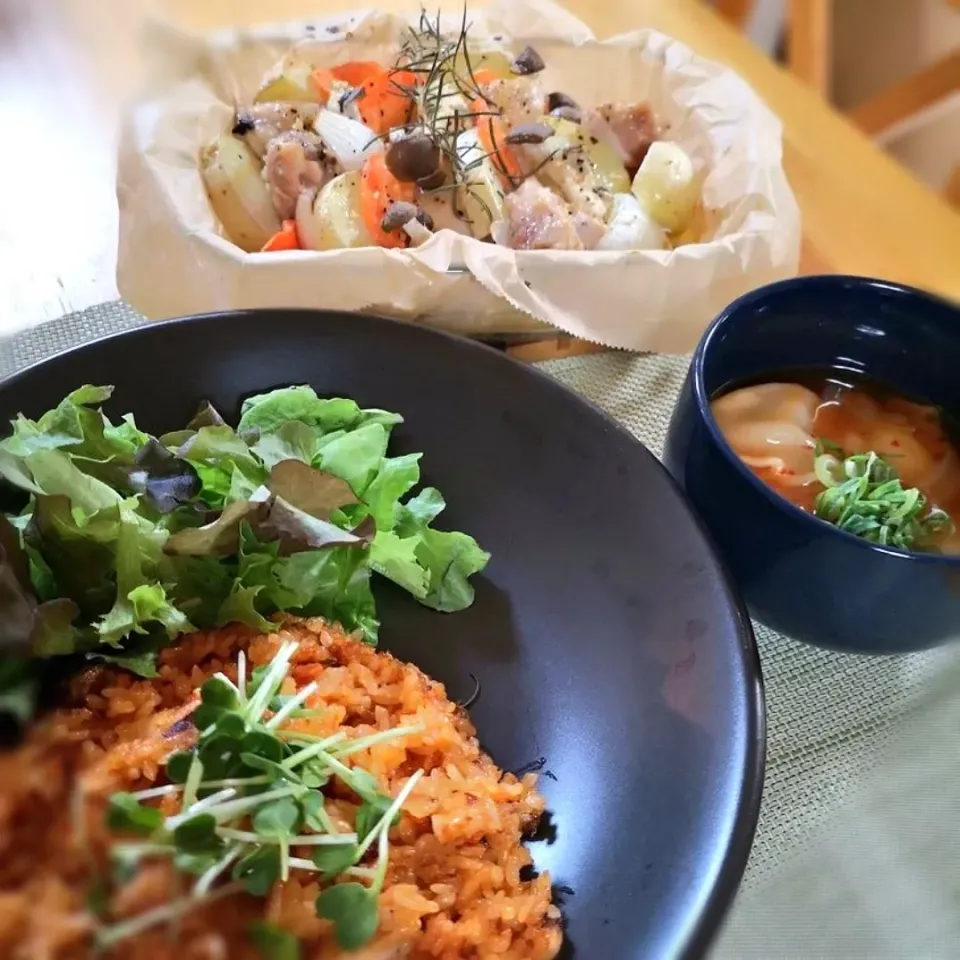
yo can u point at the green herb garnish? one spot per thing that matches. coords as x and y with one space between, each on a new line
250 798
864 496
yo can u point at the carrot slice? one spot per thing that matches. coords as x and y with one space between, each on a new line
354 73
284 239
379 188
322 80
492 132
383 104
483 76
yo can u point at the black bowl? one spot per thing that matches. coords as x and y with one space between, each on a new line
801 575
610 648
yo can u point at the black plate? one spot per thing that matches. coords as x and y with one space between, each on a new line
605 635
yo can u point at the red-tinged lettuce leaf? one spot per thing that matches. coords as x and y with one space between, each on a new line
313 491
296 531
220 538
165 480
272 519
207 415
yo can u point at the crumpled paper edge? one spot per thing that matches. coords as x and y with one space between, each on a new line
645 300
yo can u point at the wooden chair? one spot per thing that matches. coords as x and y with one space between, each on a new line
809 53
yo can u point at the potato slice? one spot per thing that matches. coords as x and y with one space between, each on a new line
667 187
497 62
336 214
238 195
604 171
480 200
291 84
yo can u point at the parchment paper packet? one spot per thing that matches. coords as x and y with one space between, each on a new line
175 260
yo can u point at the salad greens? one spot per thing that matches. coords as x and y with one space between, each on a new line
864 496
128 540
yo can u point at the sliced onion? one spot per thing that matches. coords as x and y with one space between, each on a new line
630 227
308 230
350 141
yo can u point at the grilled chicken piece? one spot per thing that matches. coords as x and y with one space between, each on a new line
634 126
294 163
537 219
263 122
589 229
520 100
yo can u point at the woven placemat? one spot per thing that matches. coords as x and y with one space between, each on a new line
857 852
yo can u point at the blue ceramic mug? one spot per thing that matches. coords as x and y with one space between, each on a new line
799 574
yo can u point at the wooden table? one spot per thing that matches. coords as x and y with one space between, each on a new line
66 67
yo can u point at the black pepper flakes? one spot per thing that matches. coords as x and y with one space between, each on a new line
594 141
333 28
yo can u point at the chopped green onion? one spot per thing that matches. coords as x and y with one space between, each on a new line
863 495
